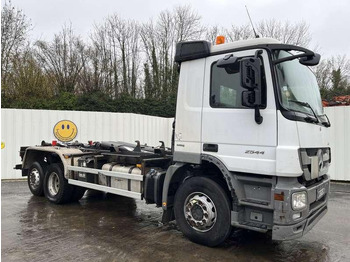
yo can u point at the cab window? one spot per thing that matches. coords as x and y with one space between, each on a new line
225 90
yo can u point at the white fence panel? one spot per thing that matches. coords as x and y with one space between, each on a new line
20 127
340 142
23 127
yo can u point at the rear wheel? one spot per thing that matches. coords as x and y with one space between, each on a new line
202 211
36 179
56 187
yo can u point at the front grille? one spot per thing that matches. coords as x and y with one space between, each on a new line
318 158
308 183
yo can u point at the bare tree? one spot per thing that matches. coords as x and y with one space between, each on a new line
241 32
212 32
288 33
151 69
187 24
322 72
116 45
27 79
103 62
63 59
325 71
14 31
110 61
159 41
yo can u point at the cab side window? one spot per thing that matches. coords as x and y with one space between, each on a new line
225 89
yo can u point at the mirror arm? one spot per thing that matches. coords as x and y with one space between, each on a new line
289 58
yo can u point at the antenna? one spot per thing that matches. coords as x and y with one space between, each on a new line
251 22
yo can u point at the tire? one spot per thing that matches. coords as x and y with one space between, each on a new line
193 200
78 193
35 179
56 187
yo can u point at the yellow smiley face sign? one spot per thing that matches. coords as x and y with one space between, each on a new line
65 131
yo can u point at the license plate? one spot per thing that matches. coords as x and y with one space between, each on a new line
321 192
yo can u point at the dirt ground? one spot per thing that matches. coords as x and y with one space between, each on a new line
110 228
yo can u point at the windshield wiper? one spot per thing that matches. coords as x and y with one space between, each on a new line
305 104
326 123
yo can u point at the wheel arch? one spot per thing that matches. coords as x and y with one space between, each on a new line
175 174
233 185
178 172
42 157
46 156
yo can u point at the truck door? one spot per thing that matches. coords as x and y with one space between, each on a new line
229 131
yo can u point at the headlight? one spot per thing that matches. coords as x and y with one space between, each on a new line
299 200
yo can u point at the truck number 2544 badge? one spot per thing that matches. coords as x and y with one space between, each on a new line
65 131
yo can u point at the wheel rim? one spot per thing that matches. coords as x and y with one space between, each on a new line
34 179
200 212
53 183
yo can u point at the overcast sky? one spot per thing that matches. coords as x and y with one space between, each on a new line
329 20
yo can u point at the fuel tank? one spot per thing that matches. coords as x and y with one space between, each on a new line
121 183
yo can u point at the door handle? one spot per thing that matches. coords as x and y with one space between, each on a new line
210 147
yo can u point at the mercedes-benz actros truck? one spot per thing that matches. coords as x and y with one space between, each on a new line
249 150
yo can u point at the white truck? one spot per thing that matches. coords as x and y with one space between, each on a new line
249 150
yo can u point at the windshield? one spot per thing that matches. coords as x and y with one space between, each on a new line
297 83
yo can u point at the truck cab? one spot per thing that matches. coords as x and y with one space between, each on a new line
252 110
250 147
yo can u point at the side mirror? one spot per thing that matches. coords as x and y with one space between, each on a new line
310 61
251 80
230 63
250 73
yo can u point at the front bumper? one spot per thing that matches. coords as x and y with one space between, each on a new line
317 208
299 229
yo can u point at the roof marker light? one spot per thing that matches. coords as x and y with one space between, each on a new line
220 40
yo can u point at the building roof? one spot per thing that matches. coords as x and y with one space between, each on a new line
338 101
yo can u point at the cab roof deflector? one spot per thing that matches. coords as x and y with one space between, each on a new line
191 50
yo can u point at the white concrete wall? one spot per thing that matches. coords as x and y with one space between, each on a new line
23 127
340 142
20 127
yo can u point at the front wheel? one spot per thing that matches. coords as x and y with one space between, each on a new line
202 211
56 187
